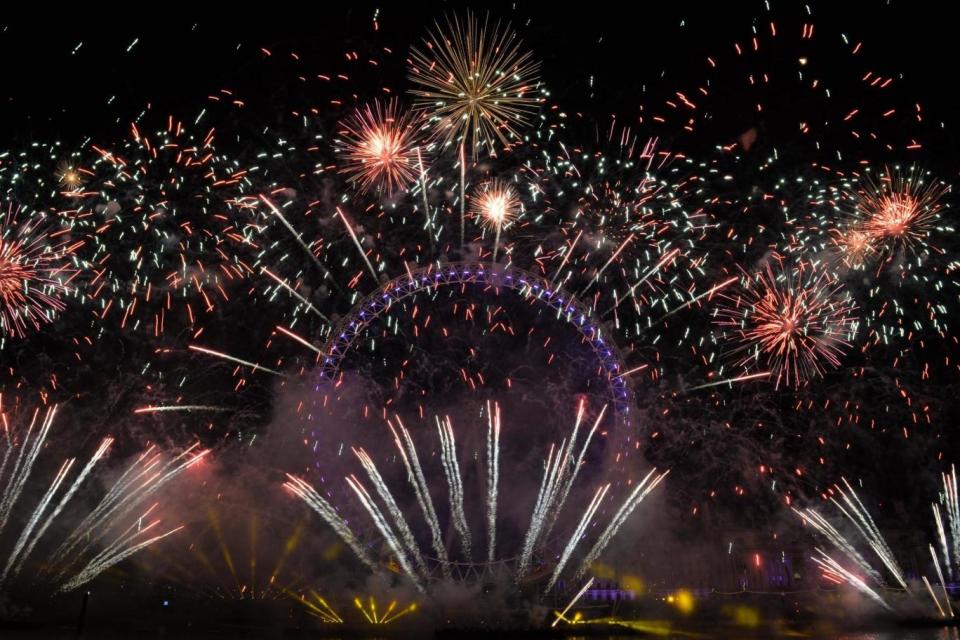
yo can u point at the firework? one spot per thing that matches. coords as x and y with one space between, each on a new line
379 147
855 247
164 219
560 470
475 82
792 323
616 235
34 273
948 528
319 504
451 469
562 615
897 212
848 503
493 478
834 571
495 206
75 562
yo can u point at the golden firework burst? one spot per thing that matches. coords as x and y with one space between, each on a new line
476 82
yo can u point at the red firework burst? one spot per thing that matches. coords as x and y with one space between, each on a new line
33 274
379 147
854 247
793 322
897 212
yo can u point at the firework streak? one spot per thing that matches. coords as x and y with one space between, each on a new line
74 563
560 471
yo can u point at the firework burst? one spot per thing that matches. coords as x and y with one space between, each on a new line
378 144
854 247
33 273
896 214
792 322
495 205
476 82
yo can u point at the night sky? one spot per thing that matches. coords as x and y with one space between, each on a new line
767 146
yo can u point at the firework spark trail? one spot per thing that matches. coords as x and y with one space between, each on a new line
626 509
861 518
709 292
559 466
93 569
451 469
941 535
398 518
822 525
566 256
933 596
575 466
124 539
168 472
296 294
730 381
577 535
119 503
611 260
217 354
566 471
104 515
463 195
943 583
30 543
23 464
286 223
655 269
6 450
563 614
181 407
133 473
833 567
558 481
109 500
428 223
493 477
536 517
421 489
326 511
952 507
293 336
356 242
385 530
35 517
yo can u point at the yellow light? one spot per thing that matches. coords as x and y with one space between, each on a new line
685 602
